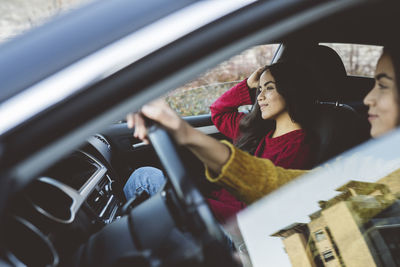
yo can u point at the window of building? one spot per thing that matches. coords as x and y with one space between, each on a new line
319 236
328 255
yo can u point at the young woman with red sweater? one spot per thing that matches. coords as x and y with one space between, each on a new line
276 128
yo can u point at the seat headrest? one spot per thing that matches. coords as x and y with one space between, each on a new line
325 66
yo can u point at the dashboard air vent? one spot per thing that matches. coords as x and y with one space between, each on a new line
103 140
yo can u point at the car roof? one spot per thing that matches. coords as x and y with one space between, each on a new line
369 23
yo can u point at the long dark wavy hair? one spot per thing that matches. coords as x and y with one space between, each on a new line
298 89
394 54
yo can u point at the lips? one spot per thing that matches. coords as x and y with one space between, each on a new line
263 105
372 116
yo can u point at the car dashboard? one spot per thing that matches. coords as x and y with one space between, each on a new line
64 206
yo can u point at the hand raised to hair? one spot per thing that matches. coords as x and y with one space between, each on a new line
253 80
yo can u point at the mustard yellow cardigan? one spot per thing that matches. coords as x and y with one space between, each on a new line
248 177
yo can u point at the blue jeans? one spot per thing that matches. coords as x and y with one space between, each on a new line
151 180
148 179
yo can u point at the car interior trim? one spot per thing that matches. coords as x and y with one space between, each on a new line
139 145
77 200
77 197
278 53
88 187
208 129
106 206
204 129
54 258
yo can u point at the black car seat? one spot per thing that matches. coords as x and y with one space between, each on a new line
338 126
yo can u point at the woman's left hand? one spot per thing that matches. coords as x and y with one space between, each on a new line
254 78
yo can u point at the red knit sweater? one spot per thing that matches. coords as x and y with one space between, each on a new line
287 151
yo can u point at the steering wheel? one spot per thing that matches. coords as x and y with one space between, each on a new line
183 185
173 228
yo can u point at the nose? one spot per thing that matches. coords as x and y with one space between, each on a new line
261 96
369 99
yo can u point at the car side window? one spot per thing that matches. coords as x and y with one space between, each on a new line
345 213
358 59
195 97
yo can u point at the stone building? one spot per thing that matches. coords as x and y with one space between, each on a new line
358 227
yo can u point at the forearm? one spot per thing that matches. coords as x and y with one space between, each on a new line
235 97
210 151
224 111
246 176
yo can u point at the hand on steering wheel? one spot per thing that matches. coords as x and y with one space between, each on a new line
162 135
160 112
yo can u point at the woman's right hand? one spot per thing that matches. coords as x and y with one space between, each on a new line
254 78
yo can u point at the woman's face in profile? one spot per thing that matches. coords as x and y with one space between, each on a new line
271 103
383 99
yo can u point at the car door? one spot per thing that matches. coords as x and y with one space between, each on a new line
117 81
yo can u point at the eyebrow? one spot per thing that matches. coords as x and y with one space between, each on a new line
265 84
383 75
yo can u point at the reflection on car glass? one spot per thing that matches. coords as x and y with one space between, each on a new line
346 213
363 219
